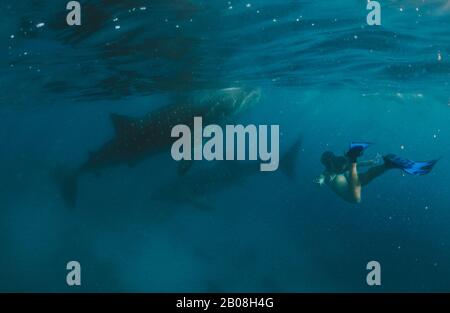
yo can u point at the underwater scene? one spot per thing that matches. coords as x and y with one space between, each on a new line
225 146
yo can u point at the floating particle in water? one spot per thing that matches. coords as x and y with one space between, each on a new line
115 19
274 20
257 11
230 7
434 136
143 8
177 26
12 36
402 147
248 5
427 207
439 56
117 27
355 37
39 25
401 9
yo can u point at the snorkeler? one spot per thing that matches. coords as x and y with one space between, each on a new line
341 172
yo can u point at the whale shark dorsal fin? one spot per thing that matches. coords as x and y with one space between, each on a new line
122 124
289 160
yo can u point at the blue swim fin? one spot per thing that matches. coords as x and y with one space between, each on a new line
356 150
408 166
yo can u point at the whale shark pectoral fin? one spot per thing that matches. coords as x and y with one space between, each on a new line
184 166
67 183
122 124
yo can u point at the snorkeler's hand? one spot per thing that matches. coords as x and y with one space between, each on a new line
320 181
374 161
378 159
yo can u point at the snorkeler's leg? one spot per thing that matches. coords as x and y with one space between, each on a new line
355 183
372 173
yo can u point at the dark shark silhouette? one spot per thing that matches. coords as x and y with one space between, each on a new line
139 138
197 185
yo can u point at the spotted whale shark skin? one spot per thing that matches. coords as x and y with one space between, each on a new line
136 139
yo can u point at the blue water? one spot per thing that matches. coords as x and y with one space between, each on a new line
324 74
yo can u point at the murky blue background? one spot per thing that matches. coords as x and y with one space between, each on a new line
324 74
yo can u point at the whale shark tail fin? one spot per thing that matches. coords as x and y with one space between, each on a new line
288 162
66 180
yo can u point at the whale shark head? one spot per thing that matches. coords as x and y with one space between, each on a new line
231 101
252 97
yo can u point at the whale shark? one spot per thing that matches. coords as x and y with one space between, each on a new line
136 139
196 187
